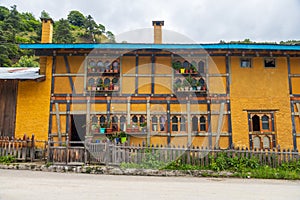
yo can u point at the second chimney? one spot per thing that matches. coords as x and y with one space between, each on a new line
157 31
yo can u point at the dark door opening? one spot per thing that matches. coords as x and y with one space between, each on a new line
255 123
78 125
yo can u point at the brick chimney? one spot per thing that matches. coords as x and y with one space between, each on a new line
47 30
157 31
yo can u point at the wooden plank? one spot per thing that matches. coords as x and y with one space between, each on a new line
220 123
58 123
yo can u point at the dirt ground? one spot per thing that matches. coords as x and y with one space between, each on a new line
28 185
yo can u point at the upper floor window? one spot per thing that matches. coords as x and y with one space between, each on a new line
261 122
270 62
245 62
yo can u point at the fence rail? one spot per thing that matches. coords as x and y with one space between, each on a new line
24 149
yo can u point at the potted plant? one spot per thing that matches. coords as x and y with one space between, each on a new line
198 86
176 66
193 68
129 128
143 126
186 85
94 87
177 86
123 136
95 128
102 128
108 127
116 87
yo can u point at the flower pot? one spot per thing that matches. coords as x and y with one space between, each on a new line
198 88
182 70
123 139
108 130
102 130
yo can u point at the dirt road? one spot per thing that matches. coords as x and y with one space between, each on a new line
29 185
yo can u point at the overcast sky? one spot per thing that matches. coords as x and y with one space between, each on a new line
202 21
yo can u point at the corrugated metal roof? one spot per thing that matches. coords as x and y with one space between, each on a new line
7 73
163 46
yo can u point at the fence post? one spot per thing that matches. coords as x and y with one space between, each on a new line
49 151
32 149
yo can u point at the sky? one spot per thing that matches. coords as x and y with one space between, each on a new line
186 21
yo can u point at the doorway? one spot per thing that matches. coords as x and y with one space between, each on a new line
78 127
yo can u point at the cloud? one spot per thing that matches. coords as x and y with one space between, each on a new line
201 20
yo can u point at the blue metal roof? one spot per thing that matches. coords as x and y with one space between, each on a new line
132 46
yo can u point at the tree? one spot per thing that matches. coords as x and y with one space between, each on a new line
90 28
26 61
4 12
111 37
45 15
12 23
62 32
76 18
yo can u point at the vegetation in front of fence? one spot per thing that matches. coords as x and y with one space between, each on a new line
7 159
243 167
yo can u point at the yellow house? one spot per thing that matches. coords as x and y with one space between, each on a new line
211 95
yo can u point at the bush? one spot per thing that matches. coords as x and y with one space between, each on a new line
7 159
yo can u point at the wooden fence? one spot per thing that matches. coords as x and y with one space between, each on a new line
24 149
79 153
105 153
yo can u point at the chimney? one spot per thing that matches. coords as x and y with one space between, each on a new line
47 30
157 31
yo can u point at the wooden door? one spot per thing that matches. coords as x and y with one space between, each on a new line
8 101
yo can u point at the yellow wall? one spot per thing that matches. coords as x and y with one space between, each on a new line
33 103
258 88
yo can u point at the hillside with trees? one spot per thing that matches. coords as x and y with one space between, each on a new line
17 28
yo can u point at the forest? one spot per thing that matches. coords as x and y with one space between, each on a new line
23 27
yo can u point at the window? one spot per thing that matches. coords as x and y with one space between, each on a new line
262 133
202 123
270 62
115 126
102 121
255 123
91 82
186 65
162 121
106 81
94 119
182 124
134 119
122 123
154 123
245 62
195 124
174 123
260 122
265 122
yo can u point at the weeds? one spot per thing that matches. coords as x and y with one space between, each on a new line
241 167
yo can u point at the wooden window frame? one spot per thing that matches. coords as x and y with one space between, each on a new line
271 58
249 60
